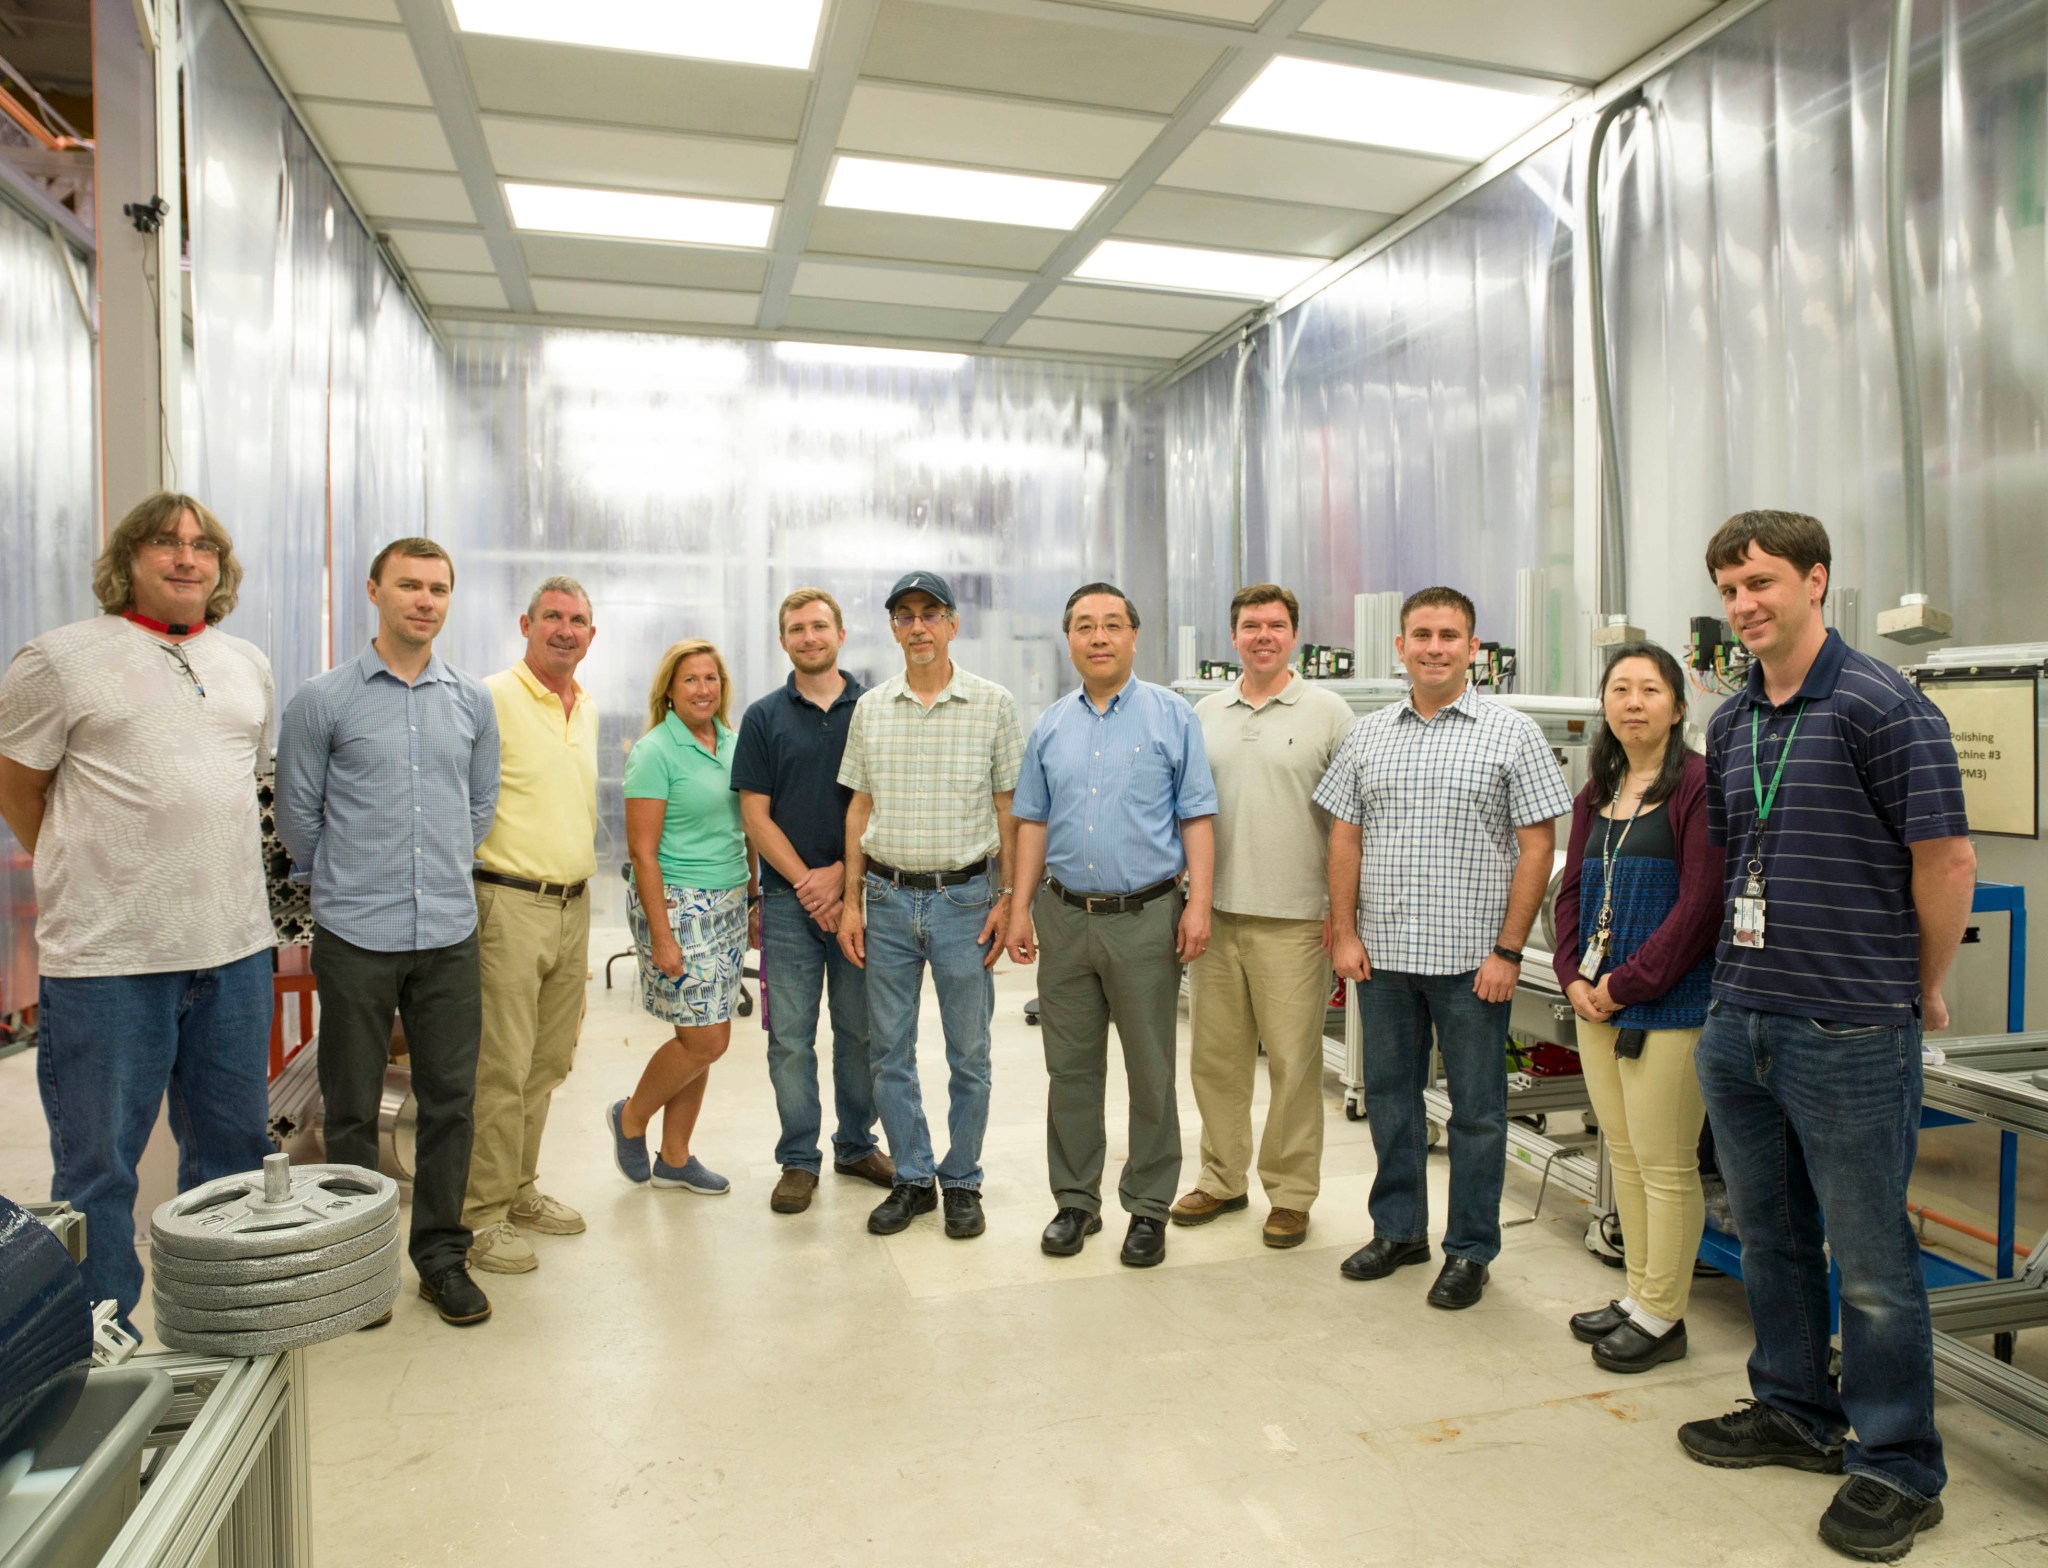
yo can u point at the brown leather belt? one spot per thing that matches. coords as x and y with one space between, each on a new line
926 881
1111 903
528 885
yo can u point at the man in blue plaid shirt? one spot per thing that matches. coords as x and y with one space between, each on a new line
1441 847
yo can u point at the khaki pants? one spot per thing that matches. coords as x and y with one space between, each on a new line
534 955
1269 980
1650 1109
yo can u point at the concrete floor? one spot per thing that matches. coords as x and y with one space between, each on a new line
702 1381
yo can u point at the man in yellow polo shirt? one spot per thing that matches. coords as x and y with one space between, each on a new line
533 924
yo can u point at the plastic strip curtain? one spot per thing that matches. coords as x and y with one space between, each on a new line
690 483
49 522
1410 425
317 387
1751 321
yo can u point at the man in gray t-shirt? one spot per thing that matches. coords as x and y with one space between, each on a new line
129 749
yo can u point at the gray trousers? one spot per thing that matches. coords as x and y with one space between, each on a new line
1095 970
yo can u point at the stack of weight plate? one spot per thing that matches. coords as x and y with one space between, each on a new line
274 1260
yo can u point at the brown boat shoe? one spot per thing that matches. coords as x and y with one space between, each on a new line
792 1194
874 1166
1286 1228
1198 1207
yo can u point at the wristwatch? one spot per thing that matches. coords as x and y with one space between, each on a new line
1003 893
1512 955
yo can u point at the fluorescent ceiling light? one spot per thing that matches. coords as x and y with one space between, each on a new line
794 353
751 32
929 191
1350 103
1197 271
633 215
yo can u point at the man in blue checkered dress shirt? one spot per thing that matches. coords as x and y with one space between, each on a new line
1440 849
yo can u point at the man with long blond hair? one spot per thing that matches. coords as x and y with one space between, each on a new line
129 749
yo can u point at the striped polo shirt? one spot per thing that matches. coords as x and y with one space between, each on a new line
1871 772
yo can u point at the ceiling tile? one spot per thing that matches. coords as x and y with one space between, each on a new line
1245 11
627 261
844 231
1142 308
1289 168
375 133
970 128
518 76
357 10
461 290
903 321
895 286
387 193
636 302
1086 337
343 60
642 160
1591 39
988 52
1234 223
422 248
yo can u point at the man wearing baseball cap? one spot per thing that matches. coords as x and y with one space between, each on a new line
932 758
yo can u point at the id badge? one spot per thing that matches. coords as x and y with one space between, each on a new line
1749 922
1594 957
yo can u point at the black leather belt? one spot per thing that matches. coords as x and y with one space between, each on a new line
926 881
1111 903
528 885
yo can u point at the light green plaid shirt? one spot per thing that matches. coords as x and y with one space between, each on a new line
933 772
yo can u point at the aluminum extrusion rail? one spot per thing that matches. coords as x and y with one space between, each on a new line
1989 1384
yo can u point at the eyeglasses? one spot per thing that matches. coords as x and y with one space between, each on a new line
1109 628
919 617
185 664
171 544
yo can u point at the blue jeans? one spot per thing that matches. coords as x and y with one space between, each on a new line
108 1049
798 961
1815 1127
1396 1012
907 930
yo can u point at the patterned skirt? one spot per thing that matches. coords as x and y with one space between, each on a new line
710 925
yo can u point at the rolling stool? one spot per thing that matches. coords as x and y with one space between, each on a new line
744 1007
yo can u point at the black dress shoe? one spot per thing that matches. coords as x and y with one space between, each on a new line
905 1202
1069 1227
1379 1257
456 1298
1459 1284
1144 1242
1630 1348
963 1213
1589 1328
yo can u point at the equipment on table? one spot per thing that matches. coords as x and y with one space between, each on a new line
277 1259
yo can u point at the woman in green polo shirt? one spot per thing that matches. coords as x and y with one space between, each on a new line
694 883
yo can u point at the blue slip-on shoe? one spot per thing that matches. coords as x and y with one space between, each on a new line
630 1153
693 1175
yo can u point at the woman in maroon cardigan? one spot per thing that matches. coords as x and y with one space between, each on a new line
1638 913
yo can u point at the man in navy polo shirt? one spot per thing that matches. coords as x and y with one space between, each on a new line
1833 783
786 771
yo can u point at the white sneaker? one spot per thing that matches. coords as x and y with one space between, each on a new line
500 1249
549 1216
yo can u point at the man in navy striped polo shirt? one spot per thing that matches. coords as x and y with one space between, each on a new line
1834 785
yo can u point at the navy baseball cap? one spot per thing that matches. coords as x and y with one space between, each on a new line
921 582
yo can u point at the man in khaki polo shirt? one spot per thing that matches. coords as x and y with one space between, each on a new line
533 924
1266 976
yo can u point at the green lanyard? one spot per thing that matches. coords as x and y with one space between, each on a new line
1765 799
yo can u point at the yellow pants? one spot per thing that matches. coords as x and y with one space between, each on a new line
1651 1111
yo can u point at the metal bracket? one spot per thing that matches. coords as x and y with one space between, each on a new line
111 1343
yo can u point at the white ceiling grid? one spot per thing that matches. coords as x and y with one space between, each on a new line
426 124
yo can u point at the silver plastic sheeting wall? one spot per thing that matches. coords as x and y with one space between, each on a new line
49 521
690 483
1410 425
317 391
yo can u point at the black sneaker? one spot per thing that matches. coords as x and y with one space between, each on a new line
455 1296
963 1213
1870 1520
1754 1434
905 1202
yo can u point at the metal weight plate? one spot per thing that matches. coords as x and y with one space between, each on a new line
289 1265
195 1297
266 1342
171 1313
284 1208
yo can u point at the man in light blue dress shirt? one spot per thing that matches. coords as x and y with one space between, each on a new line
1114 802
387 780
